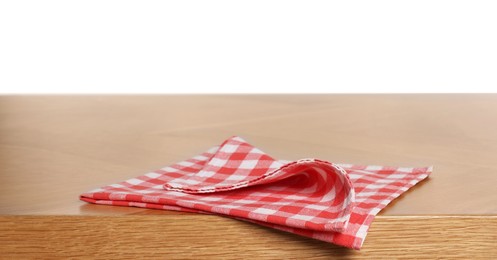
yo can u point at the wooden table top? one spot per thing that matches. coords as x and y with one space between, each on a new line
53 148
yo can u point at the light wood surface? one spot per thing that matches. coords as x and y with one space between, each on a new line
53 148
419 237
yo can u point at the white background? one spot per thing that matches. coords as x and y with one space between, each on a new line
247 46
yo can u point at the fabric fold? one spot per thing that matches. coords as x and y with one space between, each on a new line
311 197
238 165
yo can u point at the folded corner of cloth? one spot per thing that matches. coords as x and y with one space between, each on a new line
310 197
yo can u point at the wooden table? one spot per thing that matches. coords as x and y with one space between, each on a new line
53 148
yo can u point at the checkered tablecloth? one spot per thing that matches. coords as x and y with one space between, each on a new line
310 197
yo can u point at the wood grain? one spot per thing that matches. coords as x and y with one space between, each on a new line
53 148
183 237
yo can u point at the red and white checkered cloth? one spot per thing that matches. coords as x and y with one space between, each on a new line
309 197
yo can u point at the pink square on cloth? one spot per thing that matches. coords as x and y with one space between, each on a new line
310 197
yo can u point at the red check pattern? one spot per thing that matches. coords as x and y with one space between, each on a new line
309 197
